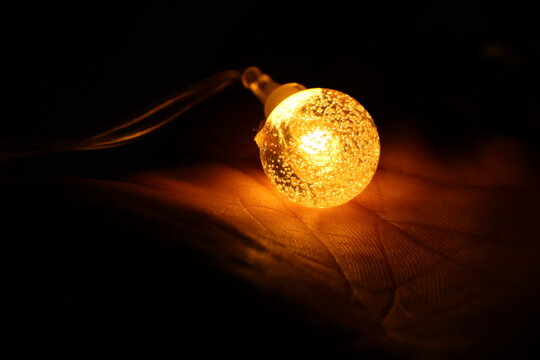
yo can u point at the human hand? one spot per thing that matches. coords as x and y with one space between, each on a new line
436 257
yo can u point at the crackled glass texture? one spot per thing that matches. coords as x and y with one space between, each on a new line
319 147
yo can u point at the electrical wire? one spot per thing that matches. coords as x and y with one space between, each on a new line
157 116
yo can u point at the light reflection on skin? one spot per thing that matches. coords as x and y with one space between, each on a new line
409 263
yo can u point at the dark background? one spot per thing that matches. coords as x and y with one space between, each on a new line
452 72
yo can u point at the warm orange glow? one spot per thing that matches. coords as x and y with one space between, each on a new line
319 147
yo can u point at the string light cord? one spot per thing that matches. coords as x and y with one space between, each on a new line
319 147
157 116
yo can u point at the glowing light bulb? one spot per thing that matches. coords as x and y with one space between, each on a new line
319 147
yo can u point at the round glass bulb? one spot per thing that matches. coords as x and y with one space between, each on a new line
319 147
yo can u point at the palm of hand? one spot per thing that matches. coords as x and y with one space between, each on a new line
423 259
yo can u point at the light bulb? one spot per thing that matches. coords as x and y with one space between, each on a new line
319 147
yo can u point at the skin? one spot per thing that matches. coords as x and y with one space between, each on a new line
437 258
